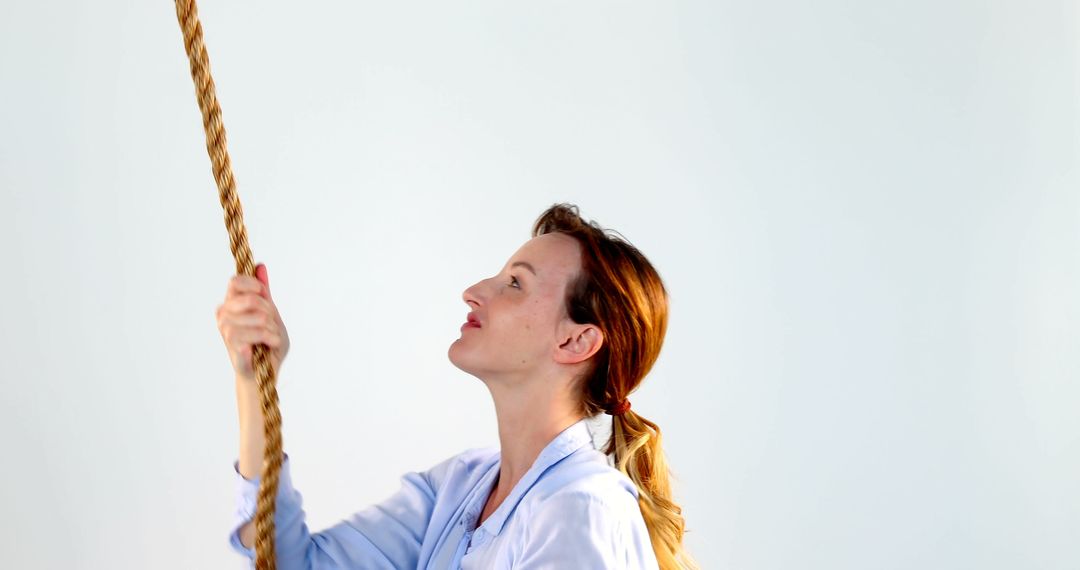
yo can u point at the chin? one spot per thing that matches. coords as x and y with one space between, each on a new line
462 361
454 354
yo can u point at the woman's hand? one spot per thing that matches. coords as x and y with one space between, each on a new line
249 317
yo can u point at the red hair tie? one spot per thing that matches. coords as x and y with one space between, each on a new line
619 409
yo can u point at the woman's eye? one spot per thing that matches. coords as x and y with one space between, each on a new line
513 282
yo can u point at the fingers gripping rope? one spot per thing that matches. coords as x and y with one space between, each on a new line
188 16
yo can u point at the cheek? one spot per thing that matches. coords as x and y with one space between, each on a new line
535 321
522 320
513 328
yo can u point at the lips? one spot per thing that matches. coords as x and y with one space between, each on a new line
472 320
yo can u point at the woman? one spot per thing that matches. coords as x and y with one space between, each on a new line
568 329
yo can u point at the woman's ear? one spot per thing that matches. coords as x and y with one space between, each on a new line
579 344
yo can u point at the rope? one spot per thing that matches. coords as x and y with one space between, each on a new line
188 16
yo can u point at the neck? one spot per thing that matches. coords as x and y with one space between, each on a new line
528 421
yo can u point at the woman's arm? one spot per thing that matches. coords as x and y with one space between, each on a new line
248 317
252 441
385 536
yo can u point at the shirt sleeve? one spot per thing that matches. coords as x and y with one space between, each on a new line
386 535
580 530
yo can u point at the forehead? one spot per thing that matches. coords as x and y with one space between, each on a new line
554 256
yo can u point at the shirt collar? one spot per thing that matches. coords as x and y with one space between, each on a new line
568 441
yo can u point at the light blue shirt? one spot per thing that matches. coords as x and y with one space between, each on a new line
572 509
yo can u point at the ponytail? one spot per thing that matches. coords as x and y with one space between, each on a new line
635 443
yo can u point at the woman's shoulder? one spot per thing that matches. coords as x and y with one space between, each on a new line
585 475
462 468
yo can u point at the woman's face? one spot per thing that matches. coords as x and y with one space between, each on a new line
523 325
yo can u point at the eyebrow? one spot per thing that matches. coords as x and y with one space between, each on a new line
526 265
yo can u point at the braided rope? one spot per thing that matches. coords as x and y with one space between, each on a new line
188 16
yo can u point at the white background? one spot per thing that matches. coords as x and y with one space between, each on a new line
866 213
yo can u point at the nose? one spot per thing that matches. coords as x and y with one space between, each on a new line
471 296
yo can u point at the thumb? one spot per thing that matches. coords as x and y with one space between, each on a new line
264 277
